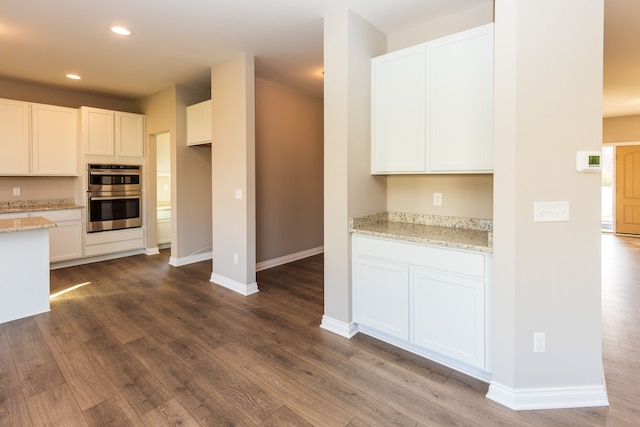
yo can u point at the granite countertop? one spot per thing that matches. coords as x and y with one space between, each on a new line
18 206
453 232
24 224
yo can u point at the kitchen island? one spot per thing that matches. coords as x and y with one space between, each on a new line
24 267
422 283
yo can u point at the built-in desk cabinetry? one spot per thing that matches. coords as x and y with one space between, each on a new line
38 139
427 299
432 106
112 133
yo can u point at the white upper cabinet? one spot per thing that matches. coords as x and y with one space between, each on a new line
98 131
38 139
129 138
54 139
461 102
112 133
199 123
398 110
432 106
14 137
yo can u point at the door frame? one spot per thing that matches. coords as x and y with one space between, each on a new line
613 178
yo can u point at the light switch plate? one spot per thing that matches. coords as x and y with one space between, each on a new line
551 211
239 194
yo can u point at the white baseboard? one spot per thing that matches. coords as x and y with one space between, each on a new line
548 398
96 258
234 285
347 330
152 251
190 259
289 258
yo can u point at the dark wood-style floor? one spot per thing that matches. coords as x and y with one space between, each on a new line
143 343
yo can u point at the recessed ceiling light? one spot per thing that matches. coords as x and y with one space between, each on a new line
73 76
121 30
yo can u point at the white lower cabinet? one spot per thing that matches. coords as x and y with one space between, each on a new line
448 315
164 226
65 240
382 290
427 299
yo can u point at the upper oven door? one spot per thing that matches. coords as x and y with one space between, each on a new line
109 178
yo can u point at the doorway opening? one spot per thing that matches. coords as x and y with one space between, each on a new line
163 189
607 204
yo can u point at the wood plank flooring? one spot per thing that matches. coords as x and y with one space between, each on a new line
146 344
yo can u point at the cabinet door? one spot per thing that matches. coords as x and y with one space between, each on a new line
448 315
54 139
398 112
199 123
382 296
98 131
65 241
129 136
14 137
461 102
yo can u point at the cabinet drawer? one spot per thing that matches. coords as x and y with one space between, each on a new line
431 257
113 236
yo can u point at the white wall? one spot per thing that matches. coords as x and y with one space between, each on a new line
349 189
547 275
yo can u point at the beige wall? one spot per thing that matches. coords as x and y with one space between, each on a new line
462 195
233 168
621 129
38 187
159 109
190 179
191 188
32 92
289 171
349 189
548 99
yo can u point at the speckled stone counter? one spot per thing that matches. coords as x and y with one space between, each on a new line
18 206
24 224
453 232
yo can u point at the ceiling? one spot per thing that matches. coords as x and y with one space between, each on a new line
178 41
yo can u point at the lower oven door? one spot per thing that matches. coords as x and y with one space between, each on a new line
113 211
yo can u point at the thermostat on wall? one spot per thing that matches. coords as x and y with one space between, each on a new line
589 161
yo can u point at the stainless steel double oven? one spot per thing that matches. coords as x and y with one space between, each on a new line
114 197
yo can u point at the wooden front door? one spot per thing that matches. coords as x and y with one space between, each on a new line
628 189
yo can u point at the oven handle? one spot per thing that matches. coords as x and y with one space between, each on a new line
98 198
113 172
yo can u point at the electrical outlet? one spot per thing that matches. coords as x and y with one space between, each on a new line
16 191
437 199
539 342
235 258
